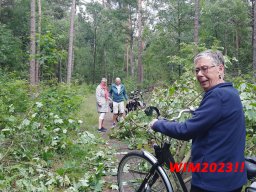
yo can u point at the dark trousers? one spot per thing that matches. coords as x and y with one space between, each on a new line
196 189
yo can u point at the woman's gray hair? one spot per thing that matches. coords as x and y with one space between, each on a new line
216 57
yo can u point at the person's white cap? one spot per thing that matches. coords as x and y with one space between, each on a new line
104 79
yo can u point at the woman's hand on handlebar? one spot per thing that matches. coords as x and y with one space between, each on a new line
152 123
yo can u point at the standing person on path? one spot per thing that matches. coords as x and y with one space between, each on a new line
102 97
217 128
118 94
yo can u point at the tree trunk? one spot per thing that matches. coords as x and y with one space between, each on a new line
252 16
196 23
39 38
32 70
105 62
237 44
131 55
0 6
254 41
71 41
127 59
94 54
59 71
127 43
179 24
140 48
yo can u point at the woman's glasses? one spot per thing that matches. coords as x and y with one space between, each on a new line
203 69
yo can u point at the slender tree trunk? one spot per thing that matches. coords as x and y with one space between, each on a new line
73 60
252 16
140 47
237 44
179 24
39 38
105 61
59 71
254 41
71 42
32 70
196 23
131 55
126 52
127 59
94 54
0 7
225 51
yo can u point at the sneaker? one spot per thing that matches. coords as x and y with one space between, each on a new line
102 129
113 125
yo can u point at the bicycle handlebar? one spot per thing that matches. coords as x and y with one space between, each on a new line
189 110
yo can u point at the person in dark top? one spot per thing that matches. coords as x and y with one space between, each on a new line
217 128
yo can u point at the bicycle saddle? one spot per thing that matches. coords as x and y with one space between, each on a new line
250 164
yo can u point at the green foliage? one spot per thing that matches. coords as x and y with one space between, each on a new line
14 100
105 33
44 147
184 93
132 131
130 84
50 55
228 22
248 97
10 48
100 43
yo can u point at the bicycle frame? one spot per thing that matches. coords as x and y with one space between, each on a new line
152 172
162 157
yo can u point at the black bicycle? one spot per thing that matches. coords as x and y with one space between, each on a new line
136 101
141 171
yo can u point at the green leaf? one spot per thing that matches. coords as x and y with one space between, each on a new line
114 187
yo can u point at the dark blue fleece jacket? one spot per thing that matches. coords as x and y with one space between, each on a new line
217 130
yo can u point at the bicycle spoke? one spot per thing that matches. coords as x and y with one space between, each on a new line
134 171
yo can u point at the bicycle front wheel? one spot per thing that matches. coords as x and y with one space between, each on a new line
132 171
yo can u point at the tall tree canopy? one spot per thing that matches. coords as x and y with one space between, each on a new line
108 34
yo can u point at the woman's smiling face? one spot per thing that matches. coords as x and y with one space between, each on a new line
208 74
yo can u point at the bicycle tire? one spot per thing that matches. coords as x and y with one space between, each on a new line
133 169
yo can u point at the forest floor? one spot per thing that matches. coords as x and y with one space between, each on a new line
120 148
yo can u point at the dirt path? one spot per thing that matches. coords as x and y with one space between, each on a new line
88 109
120 150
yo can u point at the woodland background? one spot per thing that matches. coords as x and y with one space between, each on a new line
142 41
53 53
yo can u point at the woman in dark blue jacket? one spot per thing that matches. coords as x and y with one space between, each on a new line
217 128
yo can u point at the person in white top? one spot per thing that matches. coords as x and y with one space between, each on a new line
102 97
118 94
